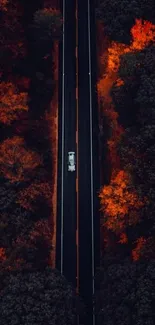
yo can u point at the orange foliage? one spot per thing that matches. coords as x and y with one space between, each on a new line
115 51
138 250
119 204
104 87
119 82
16 162
2 254
123 238
12 103
145 248
28 196
3 5
52 11
143 32
116 132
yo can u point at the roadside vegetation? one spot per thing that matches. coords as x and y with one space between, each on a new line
31 292
126 95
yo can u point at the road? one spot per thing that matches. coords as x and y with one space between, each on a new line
78 120
66 201
88 154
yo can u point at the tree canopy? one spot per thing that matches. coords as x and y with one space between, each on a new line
38 297
119 16
47 25
125 293
12 103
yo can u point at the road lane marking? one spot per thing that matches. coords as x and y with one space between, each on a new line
76 185
76 93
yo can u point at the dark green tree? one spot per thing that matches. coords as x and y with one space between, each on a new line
46 26
137 149
125 293
12 43
33 298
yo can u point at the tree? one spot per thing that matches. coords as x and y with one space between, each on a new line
119 16
136 147
38 297
14 224
26 241
29 197
8 194
32 247
12 43
12 103
16 162
125 293
143 33
46 25
119 203
3 5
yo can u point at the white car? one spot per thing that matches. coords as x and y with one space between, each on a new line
71 161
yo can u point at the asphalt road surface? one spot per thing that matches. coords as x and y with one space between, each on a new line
77 259
88 155
66 202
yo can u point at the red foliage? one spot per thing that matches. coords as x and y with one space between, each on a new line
143 32
29 196
123 238
16 162
3 5
119 203
144 249
12 103
41 229
11 31
23 83
138 250
2 255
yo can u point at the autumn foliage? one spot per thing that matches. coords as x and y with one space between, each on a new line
3 5
12 103
40 229
12 43
2 255
16 162
29 196
143 32
120 203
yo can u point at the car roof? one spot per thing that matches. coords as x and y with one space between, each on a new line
71 152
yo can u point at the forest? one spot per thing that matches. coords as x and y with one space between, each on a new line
29 31
125 283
